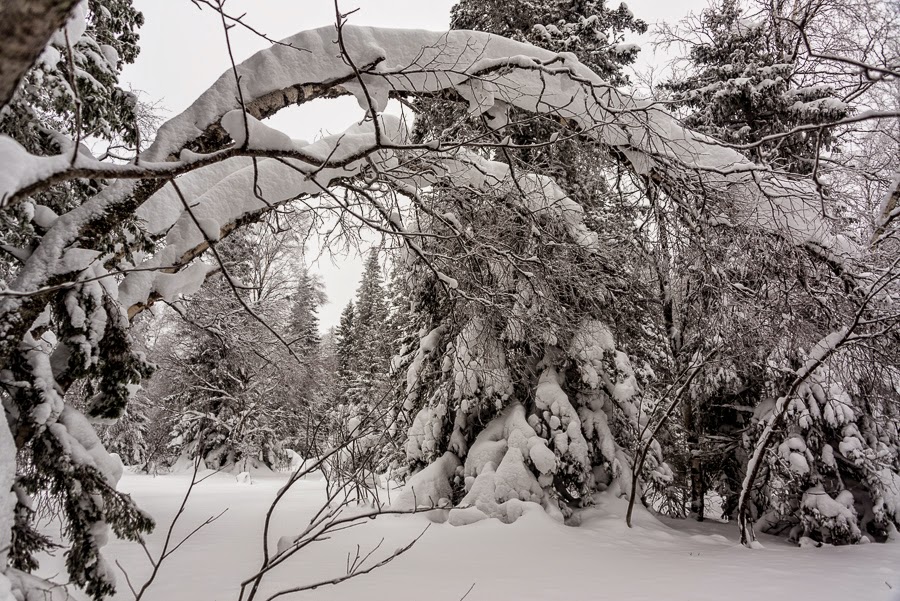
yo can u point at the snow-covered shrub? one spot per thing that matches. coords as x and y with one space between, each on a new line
226 436
831 520
131 436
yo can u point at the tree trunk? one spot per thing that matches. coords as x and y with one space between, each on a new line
25 28
698 489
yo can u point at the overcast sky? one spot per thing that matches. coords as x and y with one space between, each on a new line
183 53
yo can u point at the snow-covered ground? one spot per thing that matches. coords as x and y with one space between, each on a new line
534 558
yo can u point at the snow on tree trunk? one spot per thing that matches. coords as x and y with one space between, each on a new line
26 27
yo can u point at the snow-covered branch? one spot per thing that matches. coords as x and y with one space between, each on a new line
489 72
818 356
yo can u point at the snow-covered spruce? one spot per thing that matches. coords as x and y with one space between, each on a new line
747 83
515 391
833 476
484 445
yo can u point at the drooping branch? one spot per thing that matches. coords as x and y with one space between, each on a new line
491 73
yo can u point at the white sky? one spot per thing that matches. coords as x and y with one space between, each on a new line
183 52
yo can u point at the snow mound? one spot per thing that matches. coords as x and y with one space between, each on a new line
431 487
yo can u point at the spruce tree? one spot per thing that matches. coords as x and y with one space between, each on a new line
591 31
346 350
745 84
310 390
521 359
372 346
399 325
304 320
229 375
71 93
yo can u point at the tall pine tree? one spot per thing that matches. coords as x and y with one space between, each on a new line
371 335
304 321
346 350
745 84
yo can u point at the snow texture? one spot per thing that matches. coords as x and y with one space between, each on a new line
498 469
237 123
534 559
427 345
479 365
424 433
568 440
22 169
430 487
831 515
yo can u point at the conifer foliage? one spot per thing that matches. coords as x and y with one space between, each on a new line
235 394
73 92
363 339
746 82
